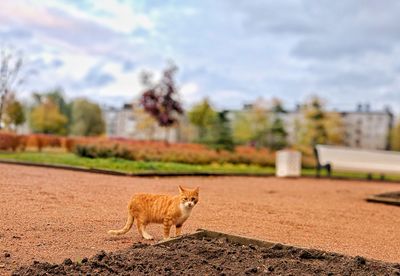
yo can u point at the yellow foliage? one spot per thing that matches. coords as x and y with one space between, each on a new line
13 114
242 131
335 128
251 125
395 137
46 118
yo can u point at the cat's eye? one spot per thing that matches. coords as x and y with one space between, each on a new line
193 199
185 199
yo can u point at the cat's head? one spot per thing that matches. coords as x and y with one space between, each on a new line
189 198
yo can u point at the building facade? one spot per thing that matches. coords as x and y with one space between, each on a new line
362 127
125 123
367 129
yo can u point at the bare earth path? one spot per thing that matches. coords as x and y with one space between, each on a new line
48 214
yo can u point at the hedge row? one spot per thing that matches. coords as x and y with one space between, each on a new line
101 147
179 153
12 141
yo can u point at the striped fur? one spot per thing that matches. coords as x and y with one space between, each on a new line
163 209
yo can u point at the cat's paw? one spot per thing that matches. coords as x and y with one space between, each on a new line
147 236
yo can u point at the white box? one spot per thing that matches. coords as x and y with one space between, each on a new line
288 163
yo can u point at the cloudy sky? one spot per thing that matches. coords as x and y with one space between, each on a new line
236 51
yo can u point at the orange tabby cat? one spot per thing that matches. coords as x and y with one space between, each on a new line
165 209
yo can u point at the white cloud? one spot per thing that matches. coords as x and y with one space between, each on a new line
190 93
120 16
232 52
116 15
230 98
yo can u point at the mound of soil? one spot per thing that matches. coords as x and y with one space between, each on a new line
207 256
393 195
392 198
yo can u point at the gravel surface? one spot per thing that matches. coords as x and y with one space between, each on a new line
50 215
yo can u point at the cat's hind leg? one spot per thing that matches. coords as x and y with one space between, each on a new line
142 230
146 235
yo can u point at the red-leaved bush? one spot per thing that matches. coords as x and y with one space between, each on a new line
12 141
102 147
8 141
178 152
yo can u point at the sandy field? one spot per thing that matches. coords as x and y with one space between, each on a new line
50 214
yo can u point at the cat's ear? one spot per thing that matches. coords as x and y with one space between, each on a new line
197 190
181 190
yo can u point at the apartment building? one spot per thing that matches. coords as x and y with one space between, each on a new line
368 129
124 122
363 128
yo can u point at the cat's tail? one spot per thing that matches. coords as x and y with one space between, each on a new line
126 228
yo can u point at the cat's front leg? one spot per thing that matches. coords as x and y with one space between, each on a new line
167 227
178 231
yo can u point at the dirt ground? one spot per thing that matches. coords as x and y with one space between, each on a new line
50 215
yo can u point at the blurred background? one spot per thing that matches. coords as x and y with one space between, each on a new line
223 79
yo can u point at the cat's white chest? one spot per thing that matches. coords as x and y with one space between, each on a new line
185 213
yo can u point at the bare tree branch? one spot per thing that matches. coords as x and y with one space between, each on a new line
11 63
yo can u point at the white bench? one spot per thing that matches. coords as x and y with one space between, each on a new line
357 160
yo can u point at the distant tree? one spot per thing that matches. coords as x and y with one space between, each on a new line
57 96
251 126
14 114
319 126
334 128
277 107
314 128
260 125
159 99
242 128
47 118
277 135
395 137
202 115
10 71
223 133
87 118
277 138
